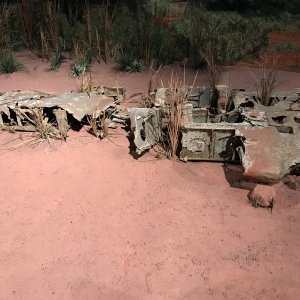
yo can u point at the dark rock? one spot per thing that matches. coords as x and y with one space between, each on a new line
262 195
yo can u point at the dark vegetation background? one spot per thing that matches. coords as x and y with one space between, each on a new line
135 34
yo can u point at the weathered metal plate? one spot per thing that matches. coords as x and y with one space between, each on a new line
76 104
269 155
146 126
209 143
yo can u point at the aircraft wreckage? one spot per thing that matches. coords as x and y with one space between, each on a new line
264 139
56 114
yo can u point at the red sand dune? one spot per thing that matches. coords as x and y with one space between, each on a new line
87 221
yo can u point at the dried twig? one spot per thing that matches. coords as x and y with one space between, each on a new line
266 82
175 102
46 130
86 83
98 125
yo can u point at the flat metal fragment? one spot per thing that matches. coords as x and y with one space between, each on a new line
269 155
62 122
146 127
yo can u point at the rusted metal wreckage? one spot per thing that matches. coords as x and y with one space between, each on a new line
264 139
36 112
217 126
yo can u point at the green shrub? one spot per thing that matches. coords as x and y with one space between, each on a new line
110 31
228 37
294 22
197 61
79 67
130 65
56 60
8 64
170 45
10 27
82 62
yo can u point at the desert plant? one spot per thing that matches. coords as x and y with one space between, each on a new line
26 8
44 128
153 78
5 15
131 65
50 23
89 23
99 22
266 83
8 64
213 72
98 125
10 36
227 36
79 67
72 35
56 60
47 28
175 102
85 83
141 36
82 62
125 36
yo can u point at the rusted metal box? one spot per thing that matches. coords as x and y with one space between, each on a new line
209 142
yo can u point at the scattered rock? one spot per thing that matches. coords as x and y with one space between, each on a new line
262 195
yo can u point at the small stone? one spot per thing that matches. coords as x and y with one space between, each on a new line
262 195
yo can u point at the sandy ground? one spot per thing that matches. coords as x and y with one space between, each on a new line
85 220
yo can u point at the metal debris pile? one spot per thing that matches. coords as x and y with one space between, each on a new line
217 124
51 116
230 126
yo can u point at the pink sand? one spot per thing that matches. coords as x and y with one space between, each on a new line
87 221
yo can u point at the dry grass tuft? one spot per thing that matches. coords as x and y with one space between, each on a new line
27 20
98 125
266 82
212 69
35 121
153 83
85 83
43 127
175 103
6 13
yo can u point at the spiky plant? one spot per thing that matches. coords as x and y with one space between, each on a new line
82 62
266 84
79 67
56 60
130 65
8 64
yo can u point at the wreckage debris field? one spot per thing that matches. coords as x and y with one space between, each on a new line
83 219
